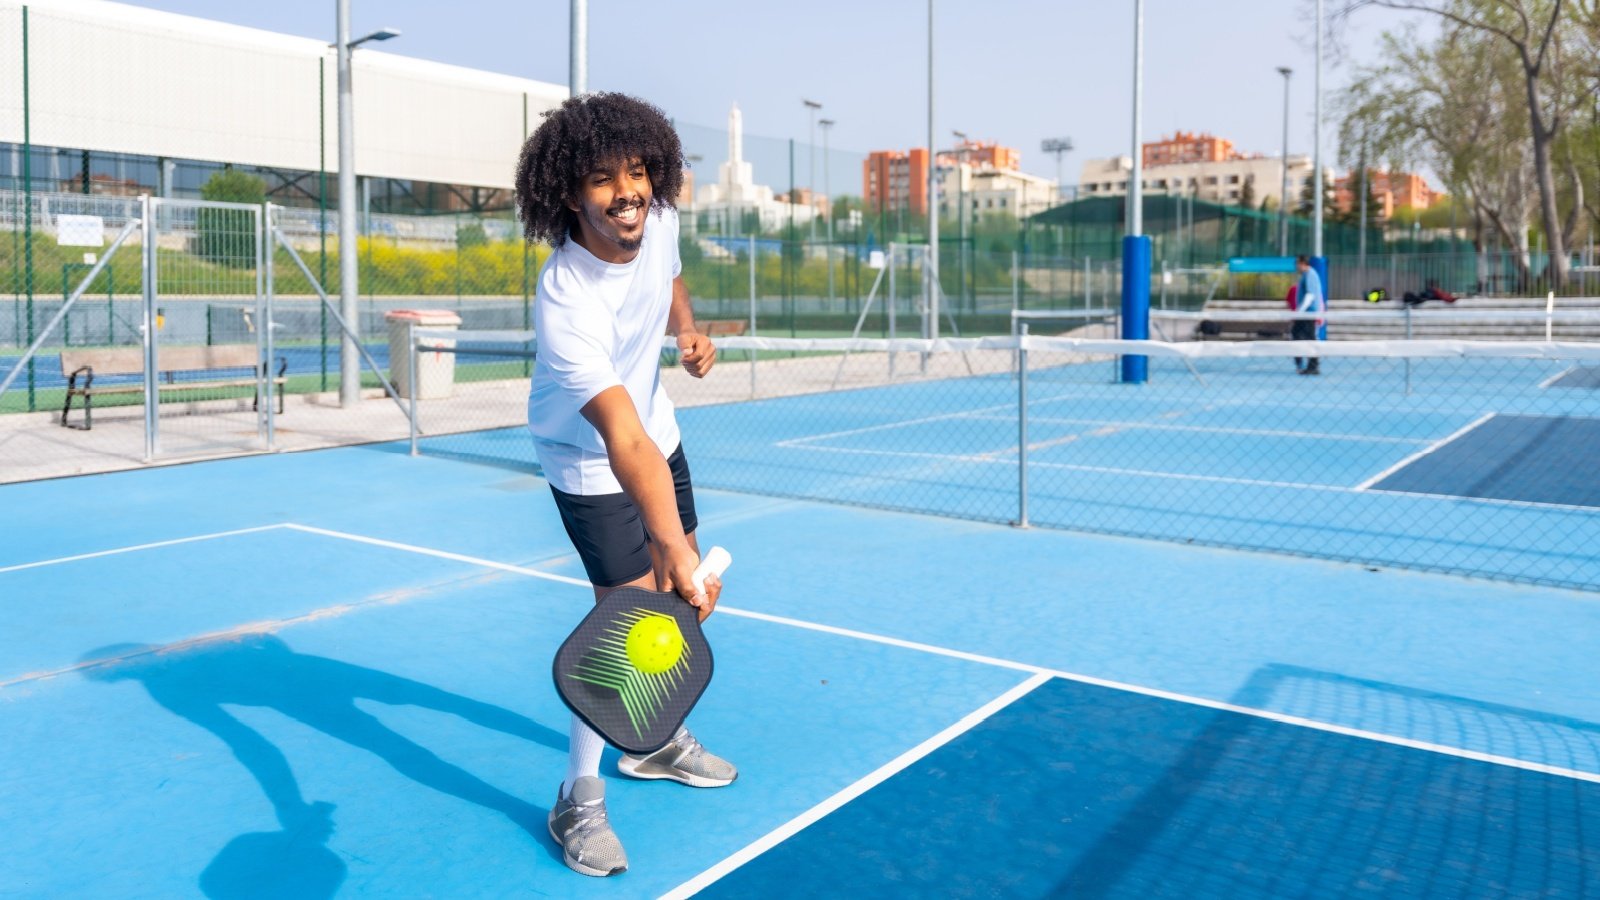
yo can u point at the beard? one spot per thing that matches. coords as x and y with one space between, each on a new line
600 225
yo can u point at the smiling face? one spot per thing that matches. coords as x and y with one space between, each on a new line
612 203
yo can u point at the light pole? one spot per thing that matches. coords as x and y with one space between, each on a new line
1135 246
578 55
827 198
694 218
349 286
1316 158
811 152
1135 178
1060 147
932 329
1283 195
961 206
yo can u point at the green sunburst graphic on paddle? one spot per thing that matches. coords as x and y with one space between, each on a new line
642 656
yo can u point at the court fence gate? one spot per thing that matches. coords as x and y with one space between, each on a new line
183 362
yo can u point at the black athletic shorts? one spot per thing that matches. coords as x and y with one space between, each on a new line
609 534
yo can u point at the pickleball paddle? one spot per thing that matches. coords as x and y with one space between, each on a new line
637 663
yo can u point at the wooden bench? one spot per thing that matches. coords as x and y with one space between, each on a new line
123 361
1244 330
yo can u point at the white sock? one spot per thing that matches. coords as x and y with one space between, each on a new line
583 754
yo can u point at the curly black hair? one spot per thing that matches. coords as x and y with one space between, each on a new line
581 135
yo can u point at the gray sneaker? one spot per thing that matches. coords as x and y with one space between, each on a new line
683 760
578 823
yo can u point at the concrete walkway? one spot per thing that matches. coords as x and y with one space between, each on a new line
34 446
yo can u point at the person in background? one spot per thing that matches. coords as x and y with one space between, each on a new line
1309 299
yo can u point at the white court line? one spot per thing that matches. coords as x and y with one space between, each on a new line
794 826
1251 432
1105 470
441 554
904 423
1559 375
188 540
1424 451
1488 501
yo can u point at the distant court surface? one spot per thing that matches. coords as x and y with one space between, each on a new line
1587 377
326 674
1529 458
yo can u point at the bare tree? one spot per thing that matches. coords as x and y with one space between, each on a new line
1412 111
1532 30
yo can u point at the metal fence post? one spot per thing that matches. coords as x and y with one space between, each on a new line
1022 427
752 315
264 265
152 442
411 382
263 351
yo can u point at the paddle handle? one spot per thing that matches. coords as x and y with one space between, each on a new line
715 562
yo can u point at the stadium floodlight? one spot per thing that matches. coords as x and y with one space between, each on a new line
1060 147
382 34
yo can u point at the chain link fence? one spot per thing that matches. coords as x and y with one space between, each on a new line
1458 456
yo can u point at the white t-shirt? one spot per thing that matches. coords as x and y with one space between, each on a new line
600 325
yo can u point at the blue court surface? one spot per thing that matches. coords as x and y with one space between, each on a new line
327 674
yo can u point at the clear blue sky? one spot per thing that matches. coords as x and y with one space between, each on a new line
1012 71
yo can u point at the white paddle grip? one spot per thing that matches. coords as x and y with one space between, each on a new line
716 562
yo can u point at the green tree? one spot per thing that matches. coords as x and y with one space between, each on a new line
228 236
1247 193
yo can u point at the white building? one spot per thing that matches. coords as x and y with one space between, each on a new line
147 91
1218 182
984 190
735 196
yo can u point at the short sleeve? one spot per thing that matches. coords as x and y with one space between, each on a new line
576 341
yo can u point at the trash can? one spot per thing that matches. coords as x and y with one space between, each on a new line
436 371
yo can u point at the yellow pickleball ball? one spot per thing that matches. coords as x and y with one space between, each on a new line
654 644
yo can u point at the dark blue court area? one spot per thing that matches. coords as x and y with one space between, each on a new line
1537 459
327 674
1151 798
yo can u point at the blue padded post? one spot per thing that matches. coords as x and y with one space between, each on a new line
1135 304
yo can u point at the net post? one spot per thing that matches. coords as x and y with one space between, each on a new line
1135 304
1022 426
1408 343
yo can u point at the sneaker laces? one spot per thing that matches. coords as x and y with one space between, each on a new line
688 744
587 817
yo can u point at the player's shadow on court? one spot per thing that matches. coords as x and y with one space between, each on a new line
263 671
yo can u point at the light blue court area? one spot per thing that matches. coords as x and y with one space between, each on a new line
327 674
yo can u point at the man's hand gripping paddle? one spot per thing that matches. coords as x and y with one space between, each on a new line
637 663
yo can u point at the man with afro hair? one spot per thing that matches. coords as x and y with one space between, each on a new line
597 181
